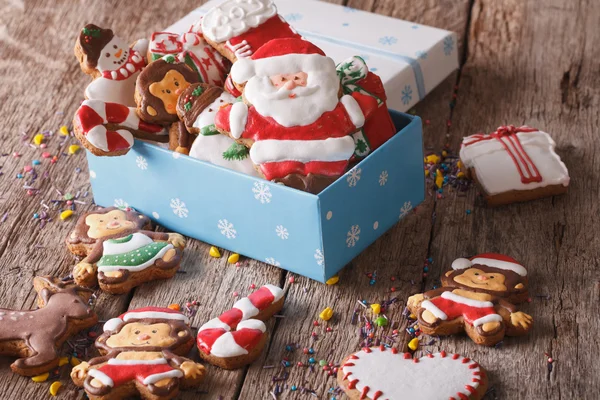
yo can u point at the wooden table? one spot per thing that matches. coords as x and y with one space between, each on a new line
522 61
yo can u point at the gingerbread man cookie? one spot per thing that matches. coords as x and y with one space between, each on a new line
124 256
476 297
111 62
158 88
37 336
297 127
378 373
237 337
142 355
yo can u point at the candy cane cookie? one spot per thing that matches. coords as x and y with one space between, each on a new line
237 336
108 129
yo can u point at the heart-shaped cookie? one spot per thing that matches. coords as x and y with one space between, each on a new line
380 373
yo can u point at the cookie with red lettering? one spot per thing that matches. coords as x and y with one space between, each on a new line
237 337
158 88
514 164
378 373
36 336
142 353
238 29
298 128
478 297
112 63
125 256
79 241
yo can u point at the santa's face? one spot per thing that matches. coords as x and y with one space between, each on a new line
289 81
114 55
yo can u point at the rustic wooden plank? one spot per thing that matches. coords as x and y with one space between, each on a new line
534 63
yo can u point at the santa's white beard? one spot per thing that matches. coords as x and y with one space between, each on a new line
307 104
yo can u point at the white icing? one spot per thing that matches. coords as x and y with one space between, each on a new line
464 300
519 269
486 319
432 308
496 171
252 324
141 46
112 324
246 307
113 91
137 240
107 63
211 149
241 50
330 150
234 17
276 291
399 378
101 376
155 315
207 116
175 373
157 361
226 346
353 109
215 323
461 263
238 118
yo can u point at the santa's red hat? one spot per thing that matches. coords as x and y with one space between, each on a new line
145 313
494 260
281 56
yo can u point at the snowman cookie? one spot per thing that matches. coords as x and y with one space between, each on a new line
124 256
111 62
379 373
158 88
197 107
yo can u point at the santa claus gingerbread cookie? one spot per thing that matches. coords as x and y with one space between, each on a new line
237 337
514 164
124 256
239 28
378 373
293 120
197 107
111 62
141 356
477 296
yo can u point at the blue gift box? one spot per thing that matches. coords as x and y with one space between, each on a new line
312 235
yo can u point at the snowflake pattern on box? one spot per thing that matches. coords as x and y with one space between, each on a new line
141 163
293 17
405 209
353 177
262 192
273 262
92 174
179 208
422 55
320 257
383 178
282 232
120 203
388 40
406 94
227 229
448 45
349 9
353 236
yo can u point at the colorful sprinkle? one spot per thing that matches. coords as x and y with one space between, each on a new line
55 387
376 308
64 130
214 252
326 314
41 378
66 214
175 307
73 149
38 139
333 280
413 344
232 259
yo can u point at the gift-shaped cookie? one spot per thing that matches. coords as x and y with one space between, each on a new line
124 256
293 120
477 296
514 164
141 355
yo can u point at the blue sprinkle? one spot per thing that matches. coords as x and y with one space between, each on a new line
36 162
468 212
294 388
36 215
311 351
19 176
311 360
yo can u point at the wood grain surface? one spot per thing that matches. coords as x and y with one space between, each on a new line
522 62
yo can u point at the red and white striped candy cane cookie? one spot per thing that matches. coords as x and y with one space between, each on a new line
91 127
237 336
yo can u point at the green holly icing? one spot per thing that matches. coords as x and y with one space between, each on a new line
236 152
156 56
121 240
361 146
209 130
187 106
190 63
169 59
198 91
132 258
91 32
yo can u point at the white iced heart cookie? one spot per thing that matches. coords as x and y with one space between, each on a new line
380 373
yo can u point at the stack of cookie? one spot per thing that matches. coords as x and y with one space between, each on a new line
241 90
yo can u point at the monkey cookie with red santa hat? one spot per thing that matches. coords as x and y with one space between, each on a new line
477 296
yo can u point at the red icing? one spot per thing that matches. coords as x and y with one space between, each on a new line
454 310
247 338
116 113
352 384
363 395
207 337
88 118
273 28
230 87
115 141
462 396
377 394
122 374
262 298
232 317
138 67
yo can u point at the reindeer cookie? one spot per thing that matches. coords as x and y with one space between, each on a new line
237 336
476 297
141 355
37 336
124 256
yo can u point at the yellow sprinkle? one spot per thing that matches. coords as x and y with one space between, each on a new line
66 214
326 314
63 361
73 149
55 387
38 139
413 344
426 172
232 259
439 179
460 175
432 158
459 164
175 307
63 130
444 153
214 252
333 280
40 378
75 361
412 316
376 308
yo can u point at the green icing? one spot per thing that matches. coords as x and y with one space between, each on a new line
187 106
236 152
209 130
169 59
134 257
121 240
198 91
156 56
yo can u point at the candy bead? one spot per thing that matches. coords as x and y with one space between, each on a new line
413 344
333 280
376 308
36 162
326 314
66 214
214 252
55 387
41 378
38 139
381 321
323 363
232 259
46 155
175 307
73 149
